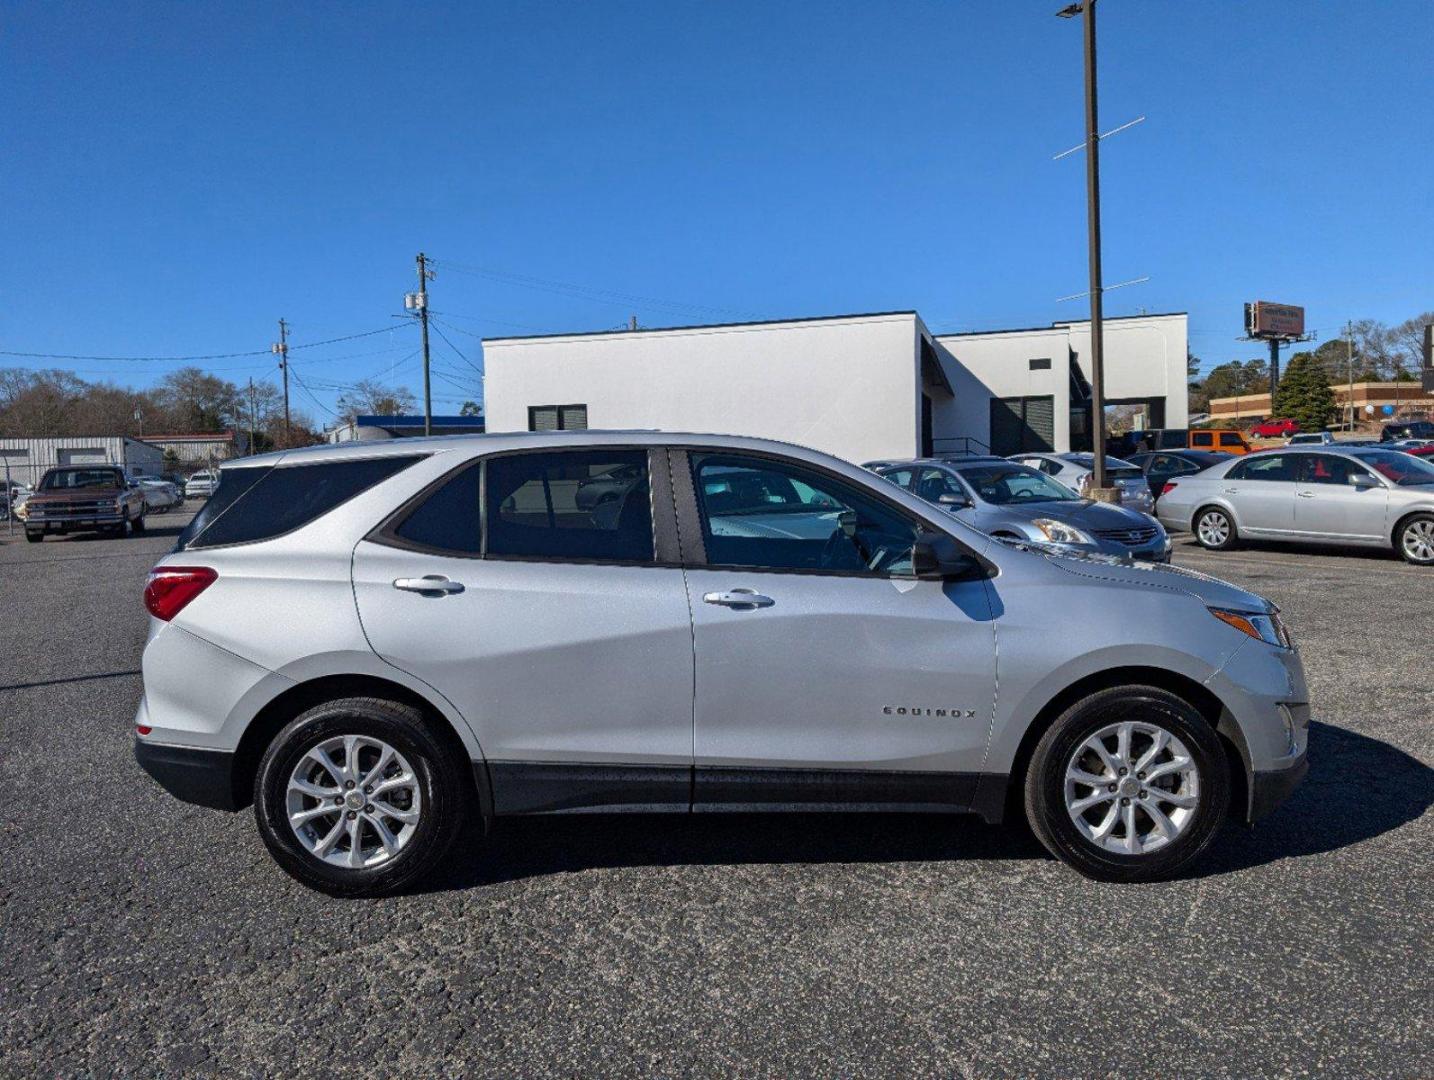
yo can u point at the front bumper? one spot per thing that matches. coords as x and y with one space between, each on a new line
1270 787
202 777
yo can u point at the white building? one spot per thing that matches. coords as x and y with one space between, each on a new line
194 451
859 386
27 459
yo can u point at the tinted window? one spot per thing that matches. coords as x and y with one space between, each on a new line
1262 467
937 482
779 516
232 484
900 477
570 505
1202 438
1325 469
288 497
1231 438
448 518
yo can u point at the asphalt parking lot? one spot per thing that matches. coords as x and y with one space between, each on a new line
143 936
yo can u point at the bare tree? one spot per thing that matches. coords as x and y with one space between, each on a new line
371 398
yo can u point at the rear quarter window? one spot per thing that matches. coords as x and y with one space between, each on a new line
284 498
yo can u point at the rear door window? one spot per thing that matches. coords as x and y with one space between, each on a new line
572 505
285 498
448 519
1264 467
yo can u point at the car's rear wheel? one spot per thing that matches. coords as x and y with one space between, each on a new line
1215 529
137 524
356 797
1129 784
34 536
1415 539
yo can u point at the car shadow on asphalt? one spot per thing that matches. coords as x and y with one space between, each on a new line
1358 788
1293 549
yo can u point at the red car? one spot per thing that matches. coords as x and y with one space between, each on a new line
1275 429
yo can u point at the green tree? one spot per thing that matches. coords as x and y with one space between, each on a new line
471 408
1304 394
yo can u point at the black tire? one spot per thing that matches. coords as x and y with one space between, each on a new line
1209 538
34 537
442 784
1408 544
1045 784
137 525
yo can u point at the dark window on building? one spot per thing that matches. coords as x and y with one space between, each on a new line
774 515
569 505
448 519
1022 424
557 417
1042 363
288 497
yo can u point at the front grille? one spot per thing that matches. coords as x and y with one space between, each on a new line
75 509
1135 537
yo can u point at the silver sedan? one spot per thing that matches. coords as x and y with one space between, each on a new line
1362 496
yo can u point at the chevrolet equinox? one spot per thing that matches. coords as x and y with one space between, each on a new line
377 643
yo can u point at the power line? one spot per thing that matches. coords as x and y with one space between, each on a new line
187 359
437 326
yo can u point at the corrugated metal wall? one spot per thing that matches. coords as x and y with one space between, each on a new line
29 458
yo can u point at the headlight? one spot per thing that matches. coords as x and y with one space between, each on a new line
1058 532
1267 628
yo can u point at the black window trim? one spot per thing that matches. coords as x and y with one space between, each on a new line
689 516
664 526
194 545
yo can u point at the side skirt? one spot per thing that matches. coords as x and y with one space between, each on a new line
523 787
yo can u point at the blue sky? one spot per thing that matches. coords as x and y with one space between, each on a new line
178 176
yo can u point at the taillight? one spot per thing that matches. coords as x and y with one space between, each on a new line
170 588
1168 488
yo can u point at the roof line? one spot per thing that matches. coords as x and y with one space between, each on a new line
704 326
1060 323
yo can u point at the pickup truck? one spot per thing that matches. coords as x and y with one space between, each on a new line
83 498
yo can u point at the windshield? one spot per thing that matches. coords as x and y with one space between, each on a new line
74 479
1115 468
1002 484
1399 467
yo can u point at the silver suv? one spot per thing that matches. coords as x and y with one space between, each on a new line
378 643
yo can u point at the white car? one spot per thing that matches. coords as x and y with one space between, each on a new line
1074 471
201 485
159 495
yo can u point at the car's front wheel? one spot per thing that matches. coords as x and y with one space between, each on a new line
1416 540
356 797
1214 529
1129 784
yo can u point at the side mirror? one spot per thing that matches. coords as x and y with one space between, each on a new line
1362 481
953 501
937 557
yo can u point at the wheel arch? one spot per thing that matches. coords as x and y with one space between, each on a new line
1214 504
1403 520
1004 796
295 699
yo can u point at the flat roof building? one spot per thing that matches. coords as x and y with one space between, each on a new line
863 387
364 428
27 459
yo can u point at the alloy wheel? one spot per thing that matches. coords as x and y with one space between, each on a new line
1213 528
1418 540
1132 787
353 801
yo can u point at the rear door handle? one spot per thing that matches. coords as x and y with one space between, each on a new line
738 598
430 585
1305 494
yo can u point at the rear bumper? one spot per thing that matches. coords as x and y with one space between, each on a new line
1270 787
202 777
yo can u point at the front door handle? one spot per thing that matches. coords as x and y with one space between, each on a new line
738 598
1305 494
430 585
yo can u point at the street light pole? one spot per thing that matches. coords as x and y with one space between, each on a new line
1099 490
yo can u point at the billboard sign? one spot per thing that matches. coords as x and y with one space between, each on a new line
1266 320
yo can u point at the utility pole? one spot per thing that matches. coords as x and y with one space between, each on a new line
252 423
419 301
1098 488
282 349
